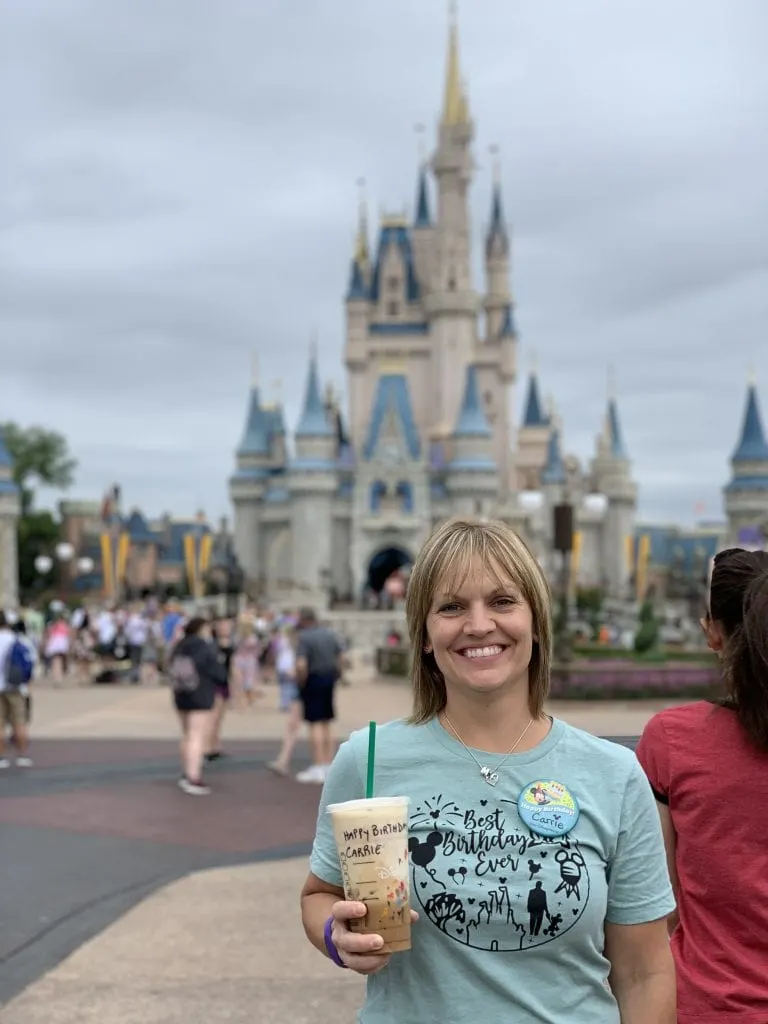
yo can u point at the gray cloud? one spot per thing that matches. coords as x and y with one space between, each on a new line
177 190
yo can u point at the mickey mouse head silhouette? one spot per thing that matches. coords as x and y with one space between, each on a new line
422 854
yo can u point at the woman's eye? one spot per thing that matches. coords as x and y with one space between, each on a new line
505 601
449 607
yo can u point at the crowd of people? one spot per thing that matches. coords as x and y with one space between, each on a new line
209 661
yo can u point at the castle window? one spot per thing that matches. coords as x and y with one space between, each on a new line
393 308
393 284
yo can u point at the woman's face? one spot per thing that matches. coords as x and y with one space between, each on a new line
481 635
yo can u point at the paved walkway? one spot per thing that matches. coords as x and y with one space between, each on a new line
98 827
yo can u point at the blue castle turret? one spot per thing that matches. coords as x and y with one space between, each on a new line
746 494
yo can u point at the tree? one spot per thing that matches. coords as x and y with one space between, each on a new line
39 457
647 635
38 534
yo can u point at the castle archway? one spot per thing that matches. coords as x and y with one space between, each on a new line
384 563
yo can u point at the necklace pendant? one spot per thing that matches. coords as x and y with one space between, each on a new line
490 777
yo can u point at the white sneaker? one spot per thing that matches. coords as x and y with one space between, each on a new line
194 788
314 774
24 762
4 763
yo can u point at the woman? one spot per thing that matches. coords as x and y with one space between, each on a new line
195 673
246 659
290 697
708 766
222 641
519 919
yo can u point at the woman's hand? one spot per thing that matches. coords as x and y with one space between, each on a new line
361 953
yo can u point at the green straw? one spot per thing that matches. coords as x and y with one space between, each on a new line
371 760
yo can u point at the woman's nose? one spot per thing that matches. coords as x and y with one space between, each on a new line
478 619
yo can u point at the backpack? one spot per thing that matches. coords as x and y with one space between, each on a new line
183 674
19 666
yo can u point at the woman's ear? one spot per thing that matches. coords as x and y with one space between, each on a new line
713 633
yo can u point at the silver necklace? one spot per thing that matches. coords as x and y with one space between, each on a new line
490 775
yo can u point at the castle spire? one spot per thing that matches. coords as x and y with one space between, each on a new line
497 239
752 446
422 219
554 470
314 421
472 421
534 415
455 106
358 274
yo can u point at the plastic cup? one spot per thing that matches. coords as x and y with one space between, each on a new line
372 843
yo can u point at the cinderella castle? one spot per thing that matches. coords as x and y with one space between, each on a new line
430 431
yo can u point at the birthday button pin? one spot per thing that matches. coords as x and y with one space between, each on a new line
548 808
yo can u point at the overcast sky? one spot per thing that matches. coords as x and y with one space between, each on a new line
177 190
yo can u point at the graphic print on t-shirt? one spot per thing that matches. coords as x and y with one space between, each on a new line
487 881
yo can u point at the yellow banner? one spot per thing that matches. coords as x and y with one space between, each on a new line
641 572
206 547
123 547
107 566
190 561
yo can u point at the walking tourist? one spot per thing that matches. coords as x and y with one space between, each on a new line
318 668
247 670
222 640
16 669
290 699
708 765
195 672
536 859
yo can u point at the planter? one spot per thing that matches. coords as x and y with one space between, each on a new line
633 680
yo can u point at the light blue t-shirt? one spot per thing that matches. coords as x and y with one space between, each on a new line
510 926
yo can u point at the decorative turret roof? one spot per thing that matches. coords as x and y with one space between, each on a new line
314 421
392 400
508 326
257 428
398 235
472 421
423 219
752 446
497 239
554 470
615 439
534 415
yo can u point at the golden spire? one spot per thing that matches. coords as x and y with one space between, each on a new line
611 382
455 108
752 377
254 370
362 256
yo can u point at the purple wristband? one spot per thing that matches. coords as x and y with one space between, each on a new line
333 953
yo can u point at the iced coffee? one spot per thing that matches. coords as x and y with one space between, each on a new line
372 843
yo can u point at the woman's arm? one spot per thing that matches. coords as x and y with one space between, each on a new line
642 974
670 845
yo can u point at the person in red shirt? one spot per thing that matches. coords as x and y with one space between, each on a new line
708 766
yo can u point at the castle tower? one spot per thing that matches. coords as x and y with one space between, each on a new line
247 485
451 304
313 481
472 479
498 301
10 508
611 472
358 316
746 494
532 438
423 233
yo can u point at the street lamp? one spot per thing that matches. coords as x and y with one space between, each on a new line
64 551
85 565
43 564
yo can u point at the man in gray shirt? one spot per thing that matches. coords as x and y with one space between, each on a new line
318 667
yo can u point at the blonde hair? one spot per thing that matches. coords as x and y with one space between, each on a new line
449 553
